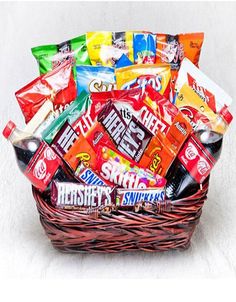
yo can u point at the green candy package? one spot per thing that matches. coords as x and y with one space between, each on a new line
70 115
51 56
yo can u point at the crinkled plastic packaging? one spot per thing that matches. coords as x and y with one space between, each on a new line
144 48
57 86
51 56
95 78
139 76
106 48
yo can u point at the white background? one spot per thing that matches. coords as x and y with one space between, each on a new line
25 250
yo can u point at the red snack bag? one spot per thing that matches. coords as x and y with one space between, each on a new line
57 85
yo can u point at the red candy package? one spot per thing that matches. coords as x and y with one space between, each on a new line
57 86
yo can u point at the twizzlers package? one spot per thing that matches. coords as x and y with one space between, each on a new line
51 56
139 76
57 86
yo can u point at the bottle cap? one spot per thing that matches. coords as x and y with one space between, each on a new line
9 128
224 112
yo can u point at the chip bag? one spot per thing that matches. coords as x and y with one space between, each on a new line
106 48
51 56
173 49
214 96
144 48
139 76
95 78
198 112
58 86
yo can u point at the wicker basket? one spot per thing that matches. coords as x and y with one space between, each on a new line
170 228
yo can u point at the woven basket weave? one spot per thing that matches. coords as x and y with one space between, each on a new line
170 228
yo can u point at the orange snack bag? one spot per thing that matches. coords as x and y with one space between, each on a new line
159 155
81 151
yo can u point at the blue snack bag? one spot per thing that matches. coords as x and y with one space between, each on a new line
144 48
123 62
95 78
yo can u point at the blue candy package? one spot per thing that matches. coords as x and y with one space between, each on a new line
144 48
123 62
95 78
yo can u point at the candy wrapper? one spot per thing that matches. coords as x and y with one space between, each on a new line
57 86
106 48
139 199
51 56
139 76
144 48
214 96
76 110
86 198
88 176
95 78
118 170
159 155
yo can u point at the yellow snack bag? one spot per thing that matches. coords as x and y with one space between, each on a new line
105 47
139 76
197 111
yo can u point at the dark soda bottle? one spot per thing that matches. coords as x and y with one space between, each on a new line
36 160
181 183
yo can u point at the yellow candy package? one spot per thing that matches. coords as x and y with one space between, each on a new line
139 76
105 47
199 114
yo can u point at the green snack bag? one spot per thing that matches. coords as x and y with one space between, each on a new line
51 56
70 114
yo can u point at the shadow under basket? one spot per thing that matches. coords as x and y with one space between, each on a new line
171 227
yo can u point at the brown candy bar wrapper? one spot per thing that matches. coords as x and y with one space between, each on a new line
86 198
134 140
112 121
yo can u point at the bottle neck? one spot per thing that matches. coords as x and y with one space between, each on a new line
15 136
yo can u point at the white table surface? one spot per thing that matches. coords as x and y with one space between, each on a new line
25 251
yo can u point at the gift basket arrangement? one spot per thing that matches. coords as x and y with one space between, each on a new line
122 131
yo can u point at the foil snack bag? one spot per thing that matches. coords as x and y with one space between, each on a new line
58 86
214 96
106 48
51 56
144 48
94 78
139 76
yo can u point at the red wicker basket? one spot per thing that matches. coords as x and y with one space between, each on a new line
170 228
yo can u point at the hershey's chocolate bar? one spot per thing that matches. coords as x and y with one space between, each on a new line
134 140
64 139
68 195
112 121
